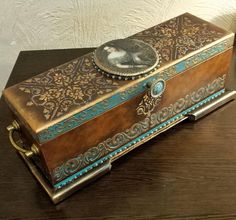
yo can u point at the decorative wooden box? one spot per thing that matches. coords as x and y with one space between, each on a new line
74 120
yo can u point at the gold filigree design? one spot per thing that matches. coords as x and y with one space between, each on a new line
147 105
61 88
151 99
179 36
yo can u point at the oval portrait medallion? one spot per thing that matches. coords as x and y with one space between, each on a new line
126 58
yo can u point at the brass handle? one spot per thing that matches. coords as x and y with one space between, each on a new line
14 126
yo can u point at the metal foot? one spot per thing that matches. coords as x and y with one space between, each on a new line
209 107
60 194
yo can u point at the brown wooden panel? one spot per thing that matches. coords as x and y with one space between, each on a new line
122 117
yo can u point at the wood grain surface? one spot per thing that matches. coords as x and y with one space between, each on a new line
189 172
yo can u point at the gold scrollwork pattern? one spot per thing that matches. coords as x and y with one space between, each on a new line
93 154
61 88
101 150
179 36
147 105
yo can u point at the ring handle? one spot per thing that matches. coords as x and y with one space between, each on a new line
14 126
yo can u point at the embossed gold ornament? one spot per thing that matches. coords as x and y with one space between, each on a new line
62 88
151 99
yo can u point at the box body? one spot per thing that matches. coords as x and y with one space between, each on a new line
79 119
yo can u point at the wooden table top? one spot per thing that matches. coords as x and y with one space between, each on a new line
188 172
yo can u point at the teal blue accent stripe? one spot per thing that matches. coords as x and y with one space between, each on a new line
87 114
180 67
119 98
128 145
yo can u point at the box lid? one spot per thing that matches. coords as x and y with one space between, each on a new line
66 96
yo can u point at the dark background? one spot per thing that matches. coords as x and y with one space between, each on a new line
188 172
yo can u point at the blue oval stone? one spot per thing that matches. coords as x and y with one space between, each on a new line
158 88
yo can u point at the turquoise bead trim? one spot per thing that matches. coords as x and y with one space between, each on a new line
119 98
141 137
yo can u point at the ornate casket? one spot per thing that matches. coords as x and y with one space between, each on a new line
75 119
